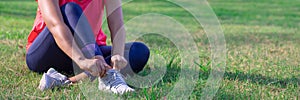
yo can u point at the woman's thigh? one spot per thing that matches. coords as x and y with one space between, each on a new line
44 54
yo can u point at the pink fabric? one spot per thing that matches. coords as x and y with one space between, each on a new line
93 10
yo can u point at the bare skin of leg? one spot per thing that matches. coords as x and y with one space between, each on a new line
78 77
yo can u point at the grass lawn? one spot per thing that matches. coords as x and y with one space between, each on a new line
262 42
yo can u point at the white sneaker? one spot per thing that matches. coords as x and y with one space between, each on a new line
51 79
114 82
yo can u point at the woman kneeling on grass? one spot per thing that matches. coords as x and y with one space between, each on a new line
61 23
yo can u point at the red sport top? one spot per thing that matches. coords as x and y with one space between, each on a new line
93 10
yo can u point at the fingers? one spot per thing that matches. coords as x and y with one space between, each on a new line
118 62
99 67
115 64
107 66
103 66
98 57
94 69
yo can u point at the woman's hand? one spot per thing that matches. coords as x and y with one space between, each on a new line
96 66
102 64
118 62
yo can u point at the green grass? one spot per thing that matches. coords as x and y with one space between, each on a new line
262 42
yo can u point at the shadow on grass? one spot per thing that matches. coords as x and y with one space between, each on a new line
243 77
263 80
171 77
261 38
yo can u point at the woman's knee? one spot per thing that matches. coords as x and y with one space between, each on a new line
71 13
138 56
31 65
71 7
140 47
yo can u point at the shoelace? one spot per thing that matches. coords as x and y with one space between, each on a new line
56 75
59 80
116 80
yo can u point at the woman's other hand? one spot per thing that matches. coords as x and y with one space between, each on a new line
118 62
